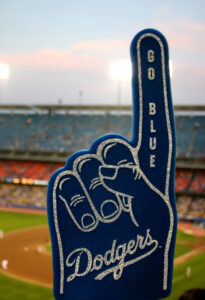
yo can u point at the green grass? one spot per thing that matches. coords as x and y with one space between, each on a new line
10 221
181 236
12 289
48 248
21 290
181 250
197 279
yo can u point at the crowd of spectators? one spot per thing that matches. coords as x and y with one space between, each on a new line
198 183
182 180
191 207
189 180
22 195
185 180
69 133
27 169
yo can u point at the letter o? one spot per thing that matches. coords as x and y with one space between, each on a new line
151 73
97 262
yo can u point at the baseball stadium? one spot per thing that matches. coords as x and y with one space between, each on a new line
36 140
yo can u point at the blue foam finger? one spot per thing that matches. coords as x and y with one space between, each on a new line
153 112
111 209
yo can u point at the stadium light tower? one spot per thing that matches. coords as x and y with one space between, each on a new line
120 70
4 74
80 97
171 68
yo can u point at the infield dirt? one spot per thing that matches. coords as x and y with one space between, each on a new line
28 260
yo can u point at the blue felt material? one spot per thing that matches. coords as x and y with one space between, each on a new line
111 209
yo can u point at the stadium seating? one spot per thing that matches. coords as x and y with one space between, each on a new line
189 131
191 183
68 133
32 196
27 169
198 183
185 180
182 180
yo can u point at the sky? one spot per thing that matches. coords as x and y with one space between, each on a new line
61 50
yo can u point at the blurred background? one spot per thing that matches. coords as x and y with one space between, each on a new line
65 79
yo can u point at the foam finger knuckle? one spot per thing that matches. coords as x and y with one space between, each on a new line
105 203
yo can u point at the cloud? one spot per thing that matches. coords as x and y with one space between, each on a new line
103 46
184 34
188 83
188 73
89 56
52 59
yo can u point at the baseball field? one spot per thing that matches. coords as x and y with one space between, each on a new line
25 246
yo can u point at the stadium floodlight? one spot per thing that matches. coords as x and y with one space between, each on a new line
171 68
4 71
4 74
120 70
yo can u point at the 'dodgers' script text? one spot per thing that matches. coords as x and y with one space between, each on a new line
114 256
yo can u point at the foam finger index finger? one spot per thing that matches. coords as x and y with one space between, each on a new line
153 124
